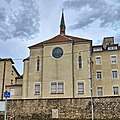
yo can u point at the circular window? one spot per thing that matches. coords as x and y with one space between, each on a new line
57 52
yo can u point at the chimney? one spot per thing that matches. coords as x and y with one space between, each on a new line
107 41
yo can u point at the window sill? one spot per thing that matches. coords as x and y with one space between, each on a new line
114 63
99 79
116 94
37 94
56 93
80 68
81 93
114 78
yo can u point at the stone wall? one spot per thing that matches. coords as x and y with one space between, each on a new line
107 108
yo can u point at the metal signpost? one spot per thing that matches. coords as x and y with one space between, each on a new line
6 95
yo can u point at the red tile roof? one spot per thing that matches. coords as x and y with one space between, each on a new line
60 38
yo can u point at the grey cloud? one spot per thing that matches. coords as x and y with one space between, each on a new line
8 1
2 15
23 23
107 13
78 4
28 21
117 38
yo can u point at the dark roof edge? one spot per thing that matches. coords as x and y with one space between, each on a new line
19 77
7 59
15 70
13 85
26 59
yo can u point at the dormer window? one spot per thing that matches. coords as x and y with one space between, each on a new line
95 49
112 47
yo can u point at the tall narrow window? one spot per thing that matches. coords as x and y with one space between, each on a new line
38 64
98 75
114 74
80 88
98 60
99 91
12 91
37 88
115 91
113 59
60 87
11 81
79 62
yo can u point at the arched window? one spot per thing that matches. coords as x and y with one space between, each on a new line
79 61
38 64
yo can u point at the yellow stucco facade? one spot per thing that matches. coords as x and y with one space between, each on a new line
106 61
63 70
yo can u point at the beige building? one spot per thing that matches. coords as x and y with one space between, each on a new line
8 80
106 68
64 66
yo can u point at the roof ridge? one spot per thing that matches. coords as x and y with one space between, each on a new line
65 36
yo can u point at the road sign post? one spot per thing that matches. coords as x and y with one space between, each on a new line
6 95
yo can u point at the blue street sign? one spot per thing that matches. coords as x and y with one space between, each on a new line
7 94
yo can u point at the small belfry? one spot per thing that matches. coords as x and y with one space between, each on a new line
62 24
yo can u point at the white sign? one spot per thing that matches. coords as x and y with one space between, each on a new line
2 105
54 113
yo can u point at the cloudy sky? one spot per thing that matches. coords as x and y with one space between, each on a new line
26 22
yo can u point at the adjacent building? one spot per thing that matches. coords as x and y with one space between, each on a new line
8 77
106 68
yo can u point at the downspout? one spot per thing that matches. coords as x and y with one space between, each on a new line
3 83
91 83
73 82
42 72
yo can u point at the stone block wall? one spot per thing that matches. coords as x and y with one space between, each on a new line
107 108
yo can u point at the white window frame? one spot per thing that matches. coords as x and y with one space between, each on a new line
82 90
113 90
96 49
58 89
112 47
99 91
113 76
77 89
35 92
98 78
12 91
112 59
98 62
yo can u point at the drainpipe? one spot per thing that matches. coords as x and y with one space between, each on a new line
91 86
42 72
73 82
3 82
